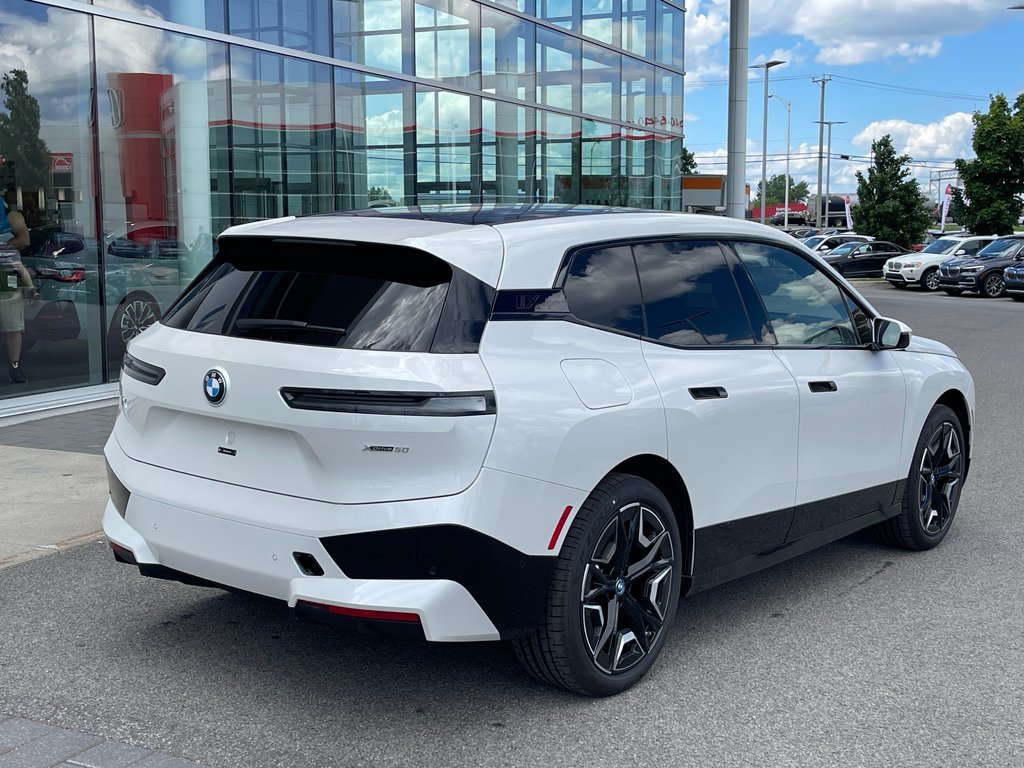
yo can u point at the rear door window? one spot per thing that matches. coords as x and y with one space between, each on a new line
345 295
602 288
690 295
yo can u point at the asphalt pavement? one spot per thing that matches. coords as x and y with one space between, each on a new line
853 655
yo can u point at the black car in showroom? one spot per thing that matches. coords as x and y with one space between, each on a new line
982 273
863 259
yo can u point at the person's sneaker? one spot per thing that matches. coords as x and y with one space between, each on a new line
17 373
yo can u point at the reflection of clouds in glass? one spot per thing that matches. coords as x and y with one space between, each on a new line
380 14
401 319
604 288
667 274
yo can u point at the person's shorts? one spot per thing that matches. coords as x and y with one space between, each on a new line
12 312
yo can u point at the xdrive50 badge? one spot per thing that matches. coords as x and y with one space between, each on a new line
385 448
215 386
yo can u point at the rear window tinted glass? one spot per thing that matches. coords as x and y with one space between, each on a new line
690 294
602 288
346 295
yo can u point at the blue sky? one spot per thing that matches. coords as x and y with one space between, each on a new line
960 51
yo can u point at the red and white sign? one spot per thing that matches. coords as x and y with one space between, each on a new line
849 214
945 205
61 162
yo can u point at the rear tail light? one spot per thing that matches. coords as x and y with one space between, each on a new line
391 403
142 371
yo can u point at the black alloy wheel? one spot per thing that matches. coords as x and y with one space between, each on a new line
992 285
930 280
135 313
614 592
933 488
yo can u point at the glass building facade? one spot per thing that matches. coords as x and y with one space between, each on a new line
132 132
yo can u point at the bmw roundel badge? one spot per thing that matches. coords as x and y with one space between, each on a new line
215 386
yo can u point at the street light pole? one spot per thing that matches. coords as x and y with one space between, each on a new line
789 115
828 166
764 134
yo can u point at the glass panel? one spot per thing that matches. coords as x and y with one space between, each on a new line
638 166
558 157
163 127
509 153
602 181
299 24
602 288
558 70
373 142
600 21
638 93
690 295
668 184
803 305
48 240
444 29
600 81
204 14
282 150
670 35
370 32
558 12
668 103
508 55
638 27
443 149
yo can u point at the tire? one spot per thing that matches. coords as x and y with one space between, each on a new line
933 486
135 313
930 280
953 291
992 286
577 647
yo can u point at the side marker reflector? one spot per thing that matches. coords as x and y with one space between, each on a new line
558 528
361 613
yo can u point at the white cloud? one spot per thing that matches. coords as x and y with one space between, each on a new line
946 139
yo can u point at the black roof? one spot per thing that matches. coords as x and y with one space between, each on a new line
498 213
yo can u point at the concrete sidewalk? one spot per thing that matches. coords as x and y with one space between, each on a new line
54 491
54 482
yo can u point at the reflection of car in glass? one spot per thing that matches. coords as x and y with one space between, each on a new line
822 244
983 273
862 259
539 423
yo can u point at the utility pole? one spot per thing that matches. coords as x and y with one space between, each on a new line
821 142
828 167
736 173
789 114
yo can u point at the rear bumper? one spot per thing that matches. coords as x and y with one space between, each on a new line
461 565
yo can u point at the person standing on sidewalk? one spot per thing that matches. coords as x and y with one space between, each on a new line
14 279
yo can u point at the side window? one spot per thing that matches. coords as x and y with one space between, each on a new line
803 305
690 294
602 288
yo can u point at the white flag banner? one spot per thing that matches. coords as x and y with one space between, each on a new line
945 206
849 214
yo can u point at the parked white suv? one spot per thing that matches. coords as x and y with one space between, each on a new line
545 424
922 268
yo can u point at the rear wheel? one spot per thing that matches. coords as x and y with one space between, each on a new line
930 280
992 286
614 593
933 488
133 315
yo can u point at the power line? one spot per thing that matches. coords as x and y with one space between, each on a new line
858 83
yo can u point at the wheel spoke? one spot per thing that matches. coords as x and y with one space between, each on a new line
637 569
609 629
629 524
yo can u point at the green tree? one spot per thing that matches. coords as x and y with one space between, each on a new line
22 149
889 202
687 163
379 193
777 191
989 203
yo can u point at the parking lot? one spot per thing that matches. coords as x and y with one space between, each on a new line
854 655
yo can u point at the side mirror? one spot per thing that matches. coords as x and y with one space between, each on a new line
890 334
961 252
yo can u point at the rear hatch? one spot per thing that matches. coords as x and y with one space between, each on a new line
345 372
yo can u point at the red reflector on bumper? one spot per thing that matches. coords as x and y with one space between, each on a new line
558 528
361 613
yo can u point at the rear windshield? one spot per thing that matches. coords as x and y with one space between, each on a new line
345 295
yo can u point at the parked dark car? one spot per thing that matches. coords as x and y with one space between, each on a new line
1013 281
982 273
863 259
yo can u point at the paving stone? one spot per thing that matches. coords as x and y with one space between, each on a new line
110 754
164 761
48 749
82 432
14 732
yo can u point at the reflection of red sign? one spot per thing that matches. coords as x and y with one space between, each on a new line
60 162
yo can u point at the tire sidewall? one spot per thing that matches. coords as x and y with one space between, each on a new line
911 505
594 520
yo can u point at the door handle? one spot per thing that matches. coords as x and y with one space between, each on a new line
822 386
708 393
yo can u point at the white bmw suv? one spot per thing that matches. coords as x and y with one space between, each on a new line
538 423
922 268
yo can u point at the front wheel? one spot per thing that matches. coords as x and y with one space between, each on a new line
930 280
933 487
992 286
614 592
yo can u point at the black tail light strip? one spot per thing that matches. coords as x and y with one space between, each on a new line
144 372
391 403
